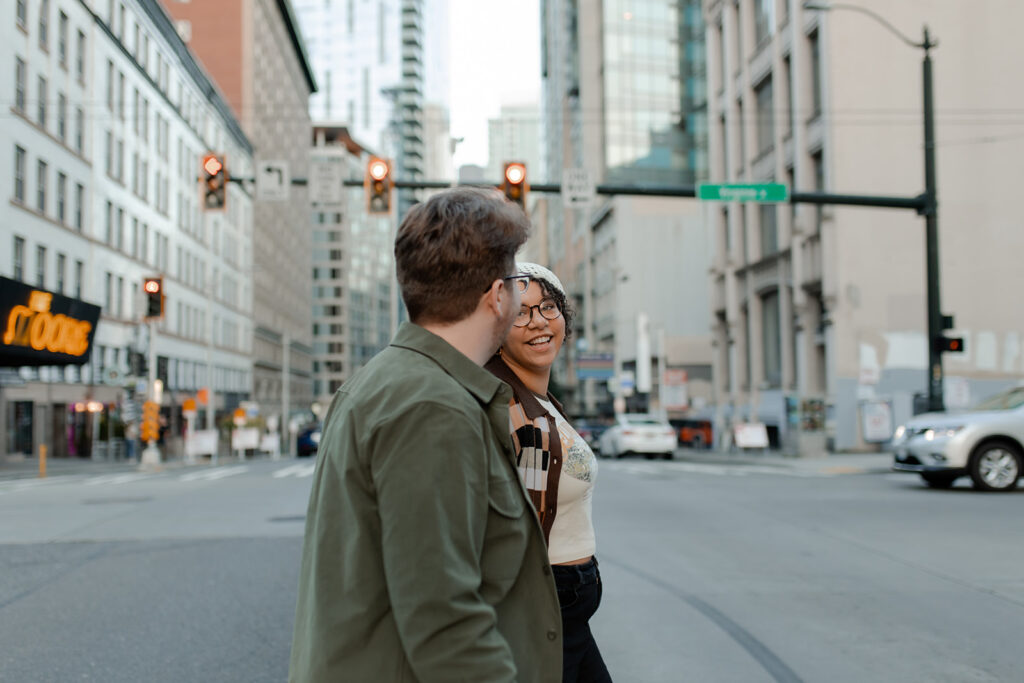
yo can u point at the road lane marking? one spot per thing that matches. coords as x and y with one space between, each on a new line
116 478
213 475
298 471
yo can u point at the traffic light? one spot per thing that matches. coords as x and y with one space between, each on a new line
378 186
215 183
153 287
150 429
514 184
951 344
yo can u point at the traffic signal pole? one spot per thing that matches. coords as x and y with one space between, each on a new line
151 454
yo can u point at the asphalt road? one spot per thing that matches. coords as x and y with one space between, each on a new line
712 573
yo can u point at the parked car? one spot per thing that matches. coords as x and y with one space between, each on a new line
309 440
591 431
985 443
694 433
638 433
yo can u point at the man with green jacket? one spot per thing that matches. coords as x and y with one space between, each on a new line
423 559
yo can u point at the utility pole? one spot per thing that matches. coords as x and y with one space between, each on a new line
936 400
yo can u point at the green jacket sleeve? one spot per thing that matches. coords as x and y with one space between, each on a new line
429 469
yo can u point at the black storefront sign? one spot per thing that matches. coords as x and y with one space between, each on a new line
38 327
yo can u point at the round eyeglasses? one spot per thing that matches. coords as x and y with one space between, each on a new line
548 310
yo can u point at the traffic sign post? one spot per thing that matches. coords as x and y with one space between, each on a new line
326 182
743 192
578 189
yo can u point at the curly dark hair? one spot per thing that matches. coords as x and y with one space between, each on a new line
561 300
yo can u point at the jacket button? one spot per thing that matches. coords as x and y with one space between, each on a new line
552 634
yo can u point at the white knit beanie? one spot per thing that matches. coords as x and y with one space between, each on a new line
538 272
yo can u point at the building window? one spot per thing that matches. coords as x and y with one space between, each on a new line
41 113
110 85
62 188
80 58
787 69
61 265
62 117
120 95
19 84
108 294
19 175
79 130
120 297
120 230
18 259
79 206
41 186
21 13
764 20
771 341
769 230
62 40
120 160
79 271
44 24
818 167
109 238
110 154
41 267
765 116
815 74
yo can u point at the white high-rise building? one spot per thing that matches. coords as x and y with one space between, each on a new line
515 135
101 154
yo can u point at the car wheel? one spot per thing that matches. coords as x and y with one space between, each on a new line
995 466
669 455
939 480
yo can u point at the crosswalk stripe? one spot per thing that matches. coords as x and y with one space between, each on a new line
116 478
213 475
297 471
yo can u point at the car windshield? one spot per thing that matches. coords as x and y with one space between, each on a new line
1008 400
642 420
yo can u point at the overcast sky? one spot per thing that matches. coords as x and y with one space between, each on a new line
488 39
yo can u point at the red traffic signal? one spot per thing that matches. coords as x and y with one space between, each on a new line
514 183
153 288
951 344
215 183
378 186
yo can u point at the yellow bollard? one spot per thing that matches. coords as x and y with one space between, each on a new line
42 461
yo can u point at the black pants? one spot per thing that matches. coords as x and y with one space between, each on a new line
579 594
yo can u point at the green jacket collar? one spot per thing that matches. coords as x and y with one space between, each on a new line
477 381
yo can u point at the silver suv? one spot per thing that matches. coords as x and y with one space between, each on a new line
986 443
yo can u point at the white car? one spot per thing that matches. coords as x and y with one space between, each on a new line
986 443
638 433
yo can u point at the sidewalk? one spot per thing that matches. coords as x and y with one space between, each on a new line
829 463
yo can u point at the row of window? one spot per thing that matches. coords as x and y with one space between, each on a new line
68 208
63 35
41 277
42 108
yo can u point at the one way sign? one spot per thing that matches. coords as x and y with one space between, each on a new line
273 181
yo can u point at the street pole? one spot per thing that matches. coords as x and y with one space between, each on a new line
936 400
286 394
151 454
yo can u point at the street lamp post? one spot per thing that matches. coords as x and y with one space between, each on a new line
930 211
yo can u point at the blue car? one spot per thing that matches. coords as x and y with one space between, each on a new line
308 440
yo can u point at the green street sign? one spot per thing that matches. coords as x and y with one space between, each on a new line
743 192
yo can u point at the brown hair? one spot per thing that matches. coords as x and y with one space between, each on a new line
449 249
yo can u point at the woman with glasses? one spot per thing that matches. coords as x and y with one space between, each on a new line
556 464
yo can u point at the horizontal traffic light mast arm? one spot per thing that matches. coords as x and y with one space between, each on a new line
917 203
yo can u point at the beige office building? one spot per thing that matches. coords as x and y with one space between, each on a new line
819 314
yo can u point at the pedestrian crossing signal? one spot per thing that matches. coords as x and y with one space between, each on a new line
150 430
514 184
215 183
378 186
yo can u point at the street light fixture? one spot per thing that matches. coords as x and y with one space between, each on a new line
936 321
